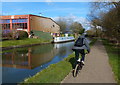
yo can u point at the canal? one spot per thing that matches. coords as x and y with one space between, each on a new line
21 63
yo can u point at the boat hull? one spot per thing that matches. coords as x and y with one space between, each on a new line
63 39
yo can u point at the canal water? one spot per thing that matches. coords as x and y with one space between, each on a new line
20 63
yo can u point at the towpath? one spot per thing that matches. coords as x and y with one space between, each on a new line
96 69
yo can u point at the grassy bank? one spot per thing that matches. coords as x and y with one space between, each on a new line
93 41
55 73
114 58
43 37
26 41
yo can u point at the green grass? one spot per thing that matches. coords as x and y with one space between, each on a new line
114 58
93 41
26 41
43 37
55 73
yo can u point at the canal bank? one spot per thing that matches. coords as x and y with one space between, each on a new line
6 45
55 73
23 43
43 37
22 46
27 61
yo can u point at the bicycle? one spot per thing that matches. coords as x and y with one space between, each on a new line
78 67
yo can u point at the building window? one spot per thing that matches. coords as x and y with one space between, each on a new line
4 21
19 20
19 23
53 25
16 23
14 26
25 25
5 26
22 25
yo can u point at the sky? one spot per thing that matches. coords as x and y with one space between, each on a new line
77 11
60 0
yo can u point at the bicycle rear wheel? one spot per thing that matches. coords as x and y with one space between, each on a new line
76 70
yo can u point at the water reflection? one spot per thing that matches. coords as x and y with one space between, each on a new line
28 58
25 62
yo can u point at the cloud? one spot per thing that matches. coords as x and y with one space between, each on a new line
85 23
49 2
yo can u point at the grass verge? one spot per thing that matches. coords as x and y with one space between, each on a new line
114 58
43 38
55 73
26 41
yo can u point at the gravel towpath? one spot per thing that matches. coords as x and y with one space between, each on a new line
96 69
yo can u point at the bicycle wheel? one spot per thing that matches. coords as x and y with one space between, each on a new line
76 70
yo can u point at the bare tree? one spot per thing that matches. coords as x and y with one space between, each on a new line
77 28
62 23
106 15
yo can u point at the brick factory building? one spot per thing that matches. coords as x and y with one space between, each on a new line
30 22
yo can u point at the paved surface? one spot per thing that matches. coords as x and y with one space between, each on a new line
96 69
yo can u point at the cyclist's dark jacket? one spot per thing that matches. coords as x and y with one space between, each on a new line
85 44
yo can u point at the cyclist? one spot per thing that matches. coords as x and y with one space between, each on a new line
80 46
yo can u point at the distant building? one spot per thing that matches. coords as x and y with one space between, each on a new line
30 22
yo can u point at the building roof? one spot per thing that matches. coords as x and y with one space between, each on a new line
24 16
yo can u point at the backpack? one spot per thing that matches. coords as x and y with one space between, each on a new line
79 42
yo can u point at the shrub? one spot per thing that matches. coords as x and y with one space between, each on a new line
70 35
22 34
14 34
7 34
